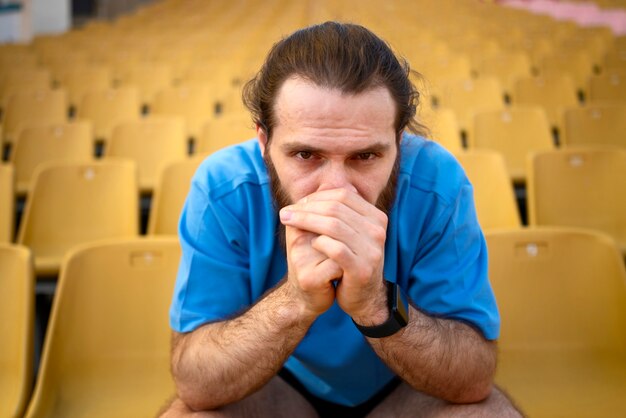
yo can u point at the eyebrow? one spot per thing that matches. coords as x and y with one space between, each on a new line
297 146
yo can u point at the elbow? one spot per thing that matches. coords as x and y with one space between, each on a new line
194 400
191 390
189 393
477 393
192 394
476 388
480 383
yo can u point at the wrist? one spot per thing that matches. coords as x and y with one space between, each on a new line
377 311
293 309
397 315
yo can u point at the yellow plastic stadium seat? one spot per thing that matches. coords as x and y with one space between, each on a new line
7 197
593 41
615 60
195 104
224 131
73 203
17 294
57 142
507 67
60 61
468 97
108 108
438 70
205 73
443 126
494 195
582 187
33 107
17 56
514 133
23 80
80 80
592 48
577 65
596 124
152 143
562 299
608 88
169 196
553 93
107 348
149 79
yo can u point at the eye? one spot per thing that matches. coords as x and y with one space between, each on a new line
364 156
304 155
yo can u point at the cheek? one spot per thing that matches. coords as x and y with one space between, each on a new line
370 189
371 185
300 187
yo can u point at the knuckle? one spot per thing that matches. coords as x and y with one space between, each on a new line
342 194
379 234
332 209
299 240
337 252
382 219
334 224
377 255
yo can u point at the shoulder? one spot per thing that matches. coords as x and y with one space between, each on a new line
427 167
231 168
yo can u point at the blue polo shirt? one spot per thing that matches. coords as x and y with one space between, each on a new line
231 255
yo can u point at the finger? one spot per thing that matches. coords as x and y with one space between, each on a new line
342 227
329 270
351 199
299 249
335 250
357 268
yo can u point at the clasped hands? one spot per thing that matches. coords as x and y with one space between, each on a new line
337 236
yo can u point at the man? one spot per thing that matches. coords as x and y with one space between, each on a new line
335 267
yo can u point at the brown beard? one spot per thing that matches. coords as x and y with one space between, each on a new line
281 197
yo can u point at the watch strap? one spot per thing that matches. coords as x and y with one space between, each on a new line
398 315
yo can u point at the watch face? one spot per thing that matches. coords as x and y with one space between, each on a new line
399 305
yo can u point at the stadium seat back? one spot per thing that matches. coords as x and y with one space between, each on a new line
46 143
76 203
172 188
106 352
17 294
152 143
494 195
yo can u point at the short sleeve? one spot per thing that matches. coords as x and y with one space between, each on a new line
450 277
441 257
213 276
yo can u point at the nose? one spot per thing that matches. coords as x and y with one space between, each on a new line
335 176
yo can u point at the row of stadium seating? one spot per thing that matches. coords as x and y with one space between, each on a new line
560 291
71 203
97 117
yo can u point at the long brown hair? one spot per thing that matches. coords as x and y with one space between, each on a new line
341 56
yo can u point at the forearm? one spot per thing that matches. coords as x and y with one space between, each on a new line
443 358
223 362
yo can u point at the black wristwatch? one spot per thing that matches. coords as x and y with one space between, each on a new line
398 314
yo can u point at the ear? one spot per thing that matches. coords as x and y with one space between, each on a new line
262 137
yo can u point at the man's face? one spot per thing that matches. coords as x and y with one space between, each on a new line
324 139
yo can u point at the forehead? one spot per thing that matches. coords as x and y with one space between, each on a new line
302 105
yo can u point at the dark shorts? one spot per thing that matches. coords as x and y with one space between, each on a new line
327 409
